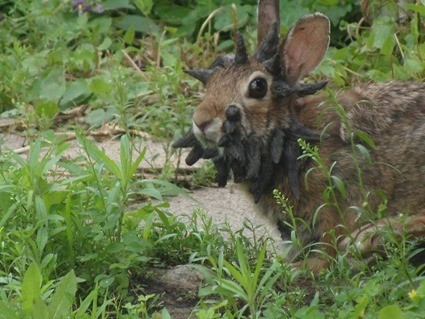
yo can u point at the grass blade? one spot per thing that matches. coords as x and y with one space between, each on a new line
63 298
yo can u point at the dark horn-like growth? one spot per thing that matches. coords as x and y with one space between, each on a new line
241 56
202 75
269 46
309 89
273 65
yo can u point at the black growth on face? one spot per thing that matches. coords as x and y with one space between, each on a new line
253 158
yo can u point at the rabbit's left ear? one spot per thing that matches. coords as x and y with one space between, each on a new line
304 46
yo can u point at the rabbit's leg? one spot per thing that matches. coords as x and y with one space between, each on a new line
325 250
368 239
316 262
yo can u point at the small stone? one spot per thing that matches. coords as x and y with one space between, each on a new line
182 277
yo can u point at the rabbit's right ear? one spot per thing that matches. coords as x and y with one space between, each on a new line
304 46
268 13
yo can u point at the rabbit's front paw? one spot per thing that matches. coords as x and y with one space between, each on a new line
315 265
366 240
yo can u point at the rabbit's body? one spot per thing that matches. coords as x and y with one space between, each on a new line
255 110
393 115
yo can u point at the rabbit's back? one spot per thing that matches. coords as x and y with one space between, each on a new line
393 115
382 109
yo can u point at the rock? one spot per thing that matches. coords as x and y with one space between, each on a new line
181 277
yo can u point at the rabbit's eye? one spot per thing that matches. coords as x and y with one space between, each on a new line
258 88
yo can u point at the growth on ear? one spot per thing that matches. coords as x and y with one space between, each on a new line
304 46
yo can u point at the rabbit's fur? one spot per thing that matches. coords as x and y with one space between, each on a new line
255 136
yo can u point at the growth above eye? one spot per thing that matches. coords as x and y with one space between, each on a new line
258 88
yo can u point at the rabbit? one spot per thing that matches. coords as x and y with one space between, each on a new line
254 112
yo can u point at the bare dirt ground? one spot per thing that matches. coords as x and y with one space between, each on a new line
224 205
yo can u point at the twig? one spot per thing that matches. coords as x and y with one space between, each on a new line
134 65
359 26
22 149
204 25
75 112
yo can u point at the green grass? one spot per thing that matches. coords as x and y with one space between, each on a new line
72 239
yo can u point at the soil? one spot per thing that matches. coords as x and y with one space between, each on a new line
227 204
177 287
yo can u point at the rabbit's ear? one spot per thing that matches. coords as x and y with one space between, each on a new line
268 13
304 46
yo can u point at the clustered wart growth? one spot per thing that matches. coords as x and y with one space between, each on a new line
248 159
252 158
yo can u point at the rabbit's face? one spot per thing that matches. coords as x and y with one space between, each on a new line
240 95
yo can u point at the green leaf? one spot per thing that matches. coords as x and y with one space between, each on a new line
309 313
75 93
391 312
145 6
40 310
174 14
54 197
98 117
99 156
53 86
382 29
413 64
328 3
129 35
34 63
360 307
40 208
42 237
117 4
30 291
233 288
105 44
63 297
139 24
225 20
388 45
365 153
46 109
99 85
128 167
168 58
162 187
10 211
339 184
150 191
85 304
165 314
364 137
417 8
6 312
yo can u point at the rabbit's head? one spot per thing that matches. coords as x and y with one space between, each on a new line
244 122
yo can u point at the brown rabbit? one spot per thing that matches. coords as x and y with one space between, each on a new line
255 110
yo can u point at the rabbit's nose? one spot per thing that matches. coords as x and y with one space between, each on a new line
203 126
